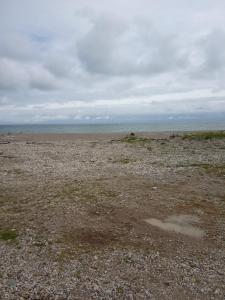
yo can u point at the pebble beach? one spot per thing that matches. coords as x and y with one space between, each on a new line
112 216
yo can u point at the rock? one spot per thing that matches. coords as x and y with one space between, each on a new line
11 282
217 291
96 287
220 272
130 297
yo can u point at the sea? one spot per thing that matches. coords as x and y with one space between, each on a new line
167 126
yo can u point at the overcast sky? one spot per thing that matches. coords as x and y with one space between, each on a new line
96 59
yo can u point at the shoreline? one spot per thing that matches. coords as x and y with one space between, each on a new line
97 136
140 128
83 136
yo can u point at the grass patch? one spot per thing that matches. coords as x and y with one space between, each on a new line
125 161
132 139
218 170
215 169
8 235
204 135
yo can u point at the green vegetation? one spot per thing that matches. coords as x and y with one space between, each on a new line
131 139
7 235
124 161
120 290
77 274
218 170
215 169
204 135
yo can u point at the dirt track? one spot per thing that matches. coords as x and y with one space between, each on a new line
76 207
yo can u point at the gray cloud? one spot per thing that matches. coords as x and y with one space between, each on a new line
111 48
16 75
127 54
17 46
212 46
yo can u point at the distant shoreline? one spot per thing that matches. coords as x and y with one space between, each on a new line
162 127
82 136
71 137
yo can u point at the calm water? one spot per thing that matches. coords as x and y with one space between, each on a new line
107 128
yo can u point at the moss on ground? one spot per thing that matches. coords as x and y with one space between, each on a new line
7 234
125 161
209 168
132 139
204 135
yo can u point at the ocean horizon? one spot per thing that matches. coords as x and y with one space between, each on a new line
159 126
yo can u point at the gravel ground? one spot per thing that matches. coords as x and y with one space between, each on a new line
100 217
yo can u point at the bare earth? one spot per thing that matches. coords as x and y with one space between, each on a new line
94 217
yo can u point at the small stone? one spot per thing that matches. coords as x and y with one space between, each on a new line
96 287
130 297
11 282
220 272
154 188
217 291
108 291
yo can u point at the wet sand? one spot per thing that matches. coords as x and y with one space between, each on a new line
102 217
